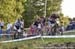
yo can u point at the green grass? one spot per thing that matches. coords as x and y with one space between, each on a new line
31 44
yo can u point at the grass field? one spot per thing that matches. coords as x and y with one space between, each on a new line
32 44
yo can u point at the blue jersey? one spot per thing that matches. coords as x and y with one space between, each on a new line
1 31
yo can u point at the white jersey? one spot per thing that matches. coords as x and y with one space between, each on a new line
24 34
49 24
2 23
19 30
9 25
39 26
15 28
62 29
22 24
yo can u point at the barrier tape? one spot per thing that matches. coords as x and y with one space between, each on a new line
38 36
34 37
16 40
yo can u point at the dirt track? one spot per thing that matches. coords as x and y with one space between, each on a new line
65 45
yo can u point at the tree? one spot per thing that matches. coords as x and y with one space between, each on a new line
28 9
10 10
34 8
53 6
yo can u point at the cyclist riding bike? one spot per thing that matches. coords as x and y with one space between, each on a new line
53 24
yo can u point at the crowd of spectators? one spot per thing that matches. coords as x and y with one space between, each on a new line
48 26
12 29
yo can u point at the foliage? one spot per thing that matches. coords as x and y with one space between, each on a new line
65 21
11 9
28 9
53 6
34 8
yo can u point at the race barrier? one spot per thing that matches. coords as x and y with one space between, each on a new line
38 36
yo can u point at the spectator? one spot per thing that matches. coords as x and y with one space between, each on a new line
2 24
8 31
24 33
32 30
71 25
61 29
1 32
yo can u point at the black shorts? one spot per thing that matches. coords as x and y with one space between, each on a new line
17 27
2 27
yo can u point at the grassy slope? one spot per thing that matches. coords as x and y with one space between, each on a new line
31 44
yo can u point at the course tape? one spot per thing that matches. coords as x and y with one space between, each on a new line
16 40
60 36
39 36
34 37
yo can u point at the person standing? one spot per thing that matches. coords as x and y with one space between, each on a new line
1 31
2 24
8 31
32 30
